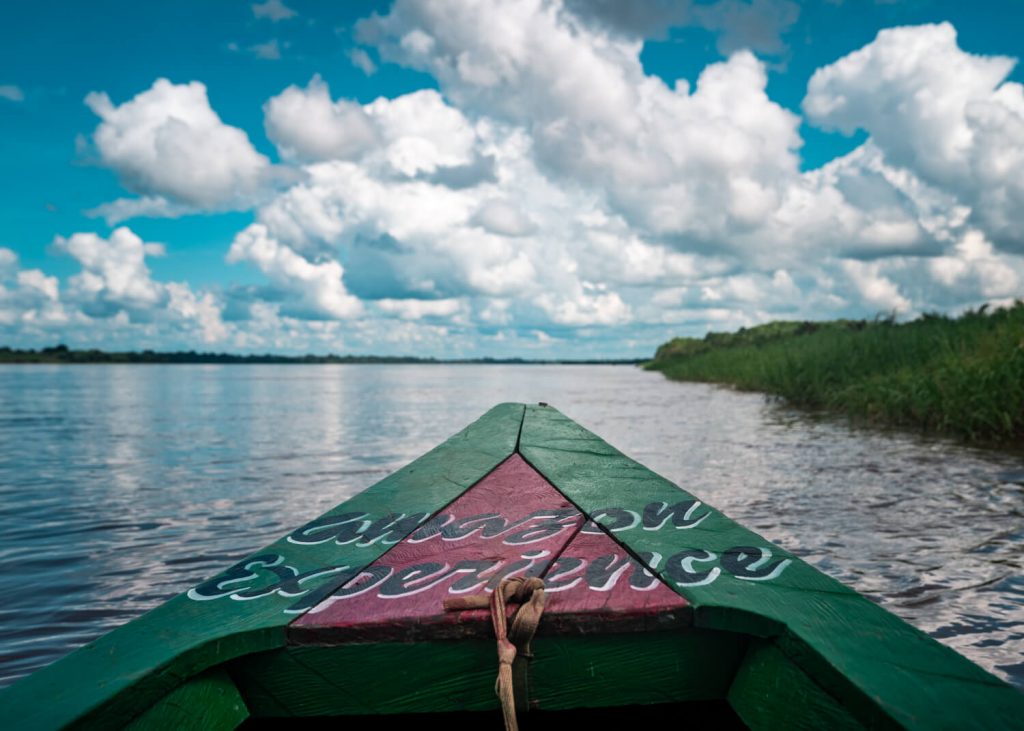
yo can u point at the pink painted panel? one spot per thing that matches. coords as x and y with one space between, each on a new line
511 523
595 583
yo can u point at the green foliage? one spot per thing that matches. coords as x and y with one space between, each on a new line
963 376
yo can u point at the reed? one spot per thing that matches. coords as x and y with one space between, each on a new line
958 376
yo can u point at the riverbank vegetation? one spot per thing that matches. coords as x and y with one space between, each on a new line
959 376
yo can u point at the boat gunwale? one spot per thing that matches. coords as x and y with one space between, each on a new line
887 673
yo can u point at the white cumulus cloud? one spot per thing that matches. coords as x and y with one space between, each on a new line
877 290
503 218
168 142
113 293
947 116
306 125
114 270
29 298
318 284
416 309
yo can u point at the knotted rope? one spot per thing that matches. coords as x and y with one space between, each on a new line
513 642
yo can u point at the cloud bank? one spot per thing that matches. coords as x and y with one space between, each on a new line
553 191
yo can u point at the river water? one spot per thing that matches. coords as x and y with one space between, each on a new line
123 485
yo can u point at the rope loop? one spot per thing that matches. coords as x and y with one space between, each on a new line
513 641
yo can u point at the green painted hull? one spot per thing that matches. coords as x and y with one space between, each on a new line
765 639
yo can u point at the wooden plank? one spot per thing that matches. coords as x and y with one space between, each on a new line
512 523
573 671
596 586
888 673
769 688
458 676
247 607
370 679
207 702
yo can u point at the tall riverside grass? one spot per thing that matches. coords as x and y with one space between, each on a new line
963 377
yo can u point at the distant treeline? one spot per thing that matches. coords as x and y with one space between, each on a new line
63 354
959 376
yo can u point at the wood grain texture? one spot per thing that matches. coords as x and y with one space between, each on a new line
572 671
888 674
458 676
370 679
596 586
771 693
247 607
510 524
208 702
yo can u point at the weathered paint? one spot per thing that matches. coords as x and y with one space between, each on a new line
597 584
208 702
369 679
636 668
768 687
886 672
569 671
510 524
246 608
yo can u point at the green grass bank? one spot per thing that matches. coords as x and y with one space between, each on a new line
958 376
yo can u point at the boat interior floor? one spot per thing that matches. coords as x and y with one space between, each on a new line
695 715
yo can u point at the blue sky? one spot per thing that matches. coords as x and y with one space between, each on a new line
534 178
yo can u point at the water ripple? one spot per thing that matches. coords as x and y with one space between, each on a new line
121 486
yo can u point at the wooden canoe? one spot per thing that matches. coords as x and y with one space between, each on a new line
658 606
